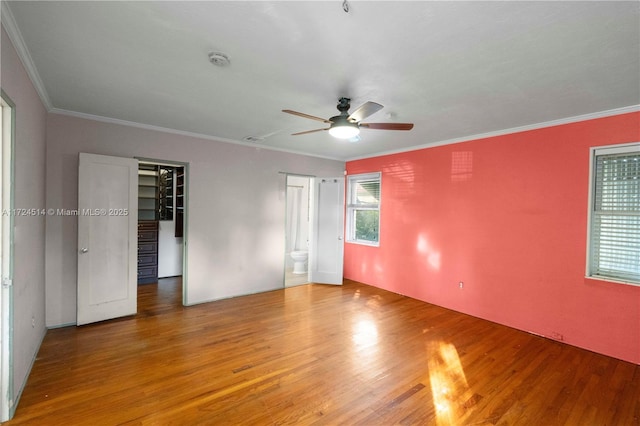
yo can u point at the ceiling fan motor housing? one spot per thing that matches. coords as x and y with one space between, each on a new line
342 120
343 105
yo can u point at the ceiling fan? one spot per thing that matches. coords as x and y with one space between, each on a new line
345 125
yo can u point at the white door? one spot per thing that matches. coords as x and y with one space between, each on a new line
327 250
107 237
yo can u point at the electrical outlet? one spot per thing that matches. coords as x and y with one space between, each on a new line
33 322
557 336
461 284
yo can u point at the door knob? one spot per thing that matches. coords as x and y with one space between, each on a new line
84 250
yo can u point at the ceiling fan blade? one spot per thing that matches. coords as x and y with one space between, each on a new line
365 110
308 131
388 126
302 114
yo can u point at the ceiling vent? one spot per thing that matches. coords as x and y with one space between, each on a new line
254 139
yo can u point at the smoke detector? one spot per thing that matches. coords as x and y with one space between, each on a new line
219 59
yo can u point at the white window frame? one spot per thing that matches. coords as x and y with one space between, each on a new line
353 207
591 271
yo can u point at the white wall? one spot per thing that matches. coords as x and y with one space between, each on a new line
236 207
29 231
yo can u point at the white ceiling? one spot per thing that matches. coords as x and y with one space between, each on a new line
455 69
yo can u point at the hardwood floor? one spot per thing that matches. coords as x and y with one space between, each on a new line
316 354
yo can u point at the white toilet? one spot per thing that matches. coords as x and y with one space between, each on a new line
299 261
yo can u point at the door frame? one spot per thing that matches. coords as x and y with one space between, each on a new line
185 224
7 173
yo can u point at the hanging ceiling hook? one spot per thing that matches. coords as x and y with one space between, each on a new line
345 6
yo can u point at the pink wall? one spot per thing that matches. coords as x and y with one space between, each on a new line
506 215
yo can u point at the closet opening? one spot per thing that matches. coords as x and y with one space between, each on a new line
161 224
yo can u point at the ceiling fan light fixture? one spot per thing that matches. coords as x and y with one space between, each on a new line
342 128
344 131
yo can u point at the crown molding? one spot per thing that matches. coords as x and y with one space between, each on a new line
9 24
120 122
535 126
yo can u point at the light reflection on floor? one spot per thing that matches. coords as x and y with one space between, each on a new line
365 338
365 333
448 382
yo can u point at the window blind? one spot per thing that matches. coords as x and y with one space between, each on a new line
367 192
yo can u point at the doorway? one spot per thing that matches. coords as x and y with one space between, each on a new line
109 266
162 192
297 230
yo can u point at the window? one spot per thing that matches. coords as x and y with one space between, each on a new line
363 209
165 192
614 246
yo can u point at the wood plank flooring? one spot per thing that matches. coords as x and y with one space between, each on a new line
316 354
